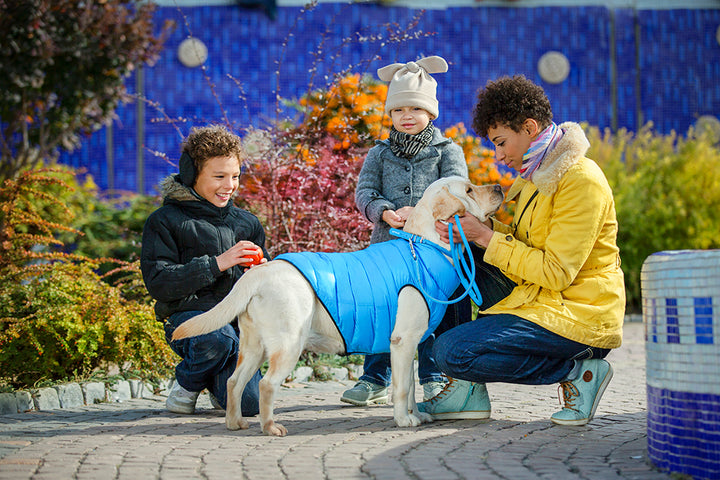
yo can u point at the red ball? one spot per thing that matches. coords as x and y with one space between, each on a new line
255 258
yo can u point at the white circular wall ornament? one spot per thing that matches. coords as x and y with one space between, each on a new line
717 34
553 67
709 124
192 52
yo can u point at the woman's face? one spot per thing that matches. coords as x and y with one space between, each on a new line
218 180
410 120
510 146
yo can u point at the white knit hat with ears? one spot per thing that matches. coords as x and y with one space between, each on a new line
411 84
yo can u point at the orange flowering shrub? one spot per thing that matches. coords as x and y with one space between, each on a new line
482 168
351 111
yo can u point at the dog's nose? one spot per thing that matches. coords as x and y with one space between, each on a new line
497 188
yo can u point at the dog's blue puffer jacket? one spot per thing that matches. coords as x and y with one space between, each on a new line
360 289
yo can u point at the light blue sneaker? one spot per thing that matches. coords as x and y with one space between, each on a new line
582 395
431 389
365 393
459 400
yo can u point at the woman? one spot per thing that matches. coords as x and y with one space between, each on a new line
553 290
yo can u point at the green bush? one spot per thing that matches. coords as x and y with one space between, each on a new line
68 322
58 318
667 192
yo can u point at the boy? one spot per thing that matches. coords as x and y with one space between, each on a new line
194 248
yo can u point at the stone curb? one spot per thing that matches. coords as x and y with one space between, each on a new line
72 395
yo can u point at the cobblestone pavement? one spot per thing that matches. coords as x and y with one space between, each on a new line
139 440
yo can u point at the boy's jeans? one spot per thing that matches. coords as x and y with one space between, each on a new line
506 348
209 360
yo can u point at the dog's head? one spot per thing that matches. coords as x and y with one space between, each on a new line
456 196
449 196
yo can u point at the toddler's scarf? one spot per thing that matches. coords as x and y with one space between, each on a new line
545 142
406 145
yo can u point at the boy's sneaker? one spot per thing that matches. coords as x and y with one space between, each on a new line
459 400
431 389
365 393
214 402
582 395
180 400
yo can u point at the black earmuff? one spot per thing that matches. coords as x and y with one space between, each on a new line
188 171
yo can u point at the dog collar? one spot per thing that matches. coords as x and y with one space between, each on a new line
465 270
414 238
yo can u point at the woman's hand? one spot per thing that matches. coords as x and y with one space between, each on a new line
238 254
475 230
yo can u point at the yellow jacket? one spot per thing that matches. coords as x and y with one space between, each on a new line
563 255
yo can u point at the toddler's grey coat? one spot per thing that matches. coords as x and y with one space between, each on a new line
390 182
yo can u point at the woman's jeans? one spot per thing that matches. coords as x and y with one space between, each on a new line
505 347
376 368
209 360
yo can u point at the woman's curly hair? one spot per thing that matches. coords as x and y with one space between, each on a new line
509 101
212 141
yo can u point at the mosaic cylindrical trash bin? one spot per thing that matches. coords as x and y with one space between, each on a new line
681 313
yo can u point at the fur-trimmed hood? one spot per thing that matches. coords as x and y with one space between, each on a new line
171 188
570 149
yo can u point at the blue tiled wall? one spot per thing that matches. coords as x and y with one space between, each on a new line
684 432
668 75
681 311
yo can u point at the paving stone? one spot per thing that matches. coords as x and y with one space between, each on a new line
24 401
94 392
8 403
339 373
327 439
302 374
46 399
136 388
70 395
120 391
355 371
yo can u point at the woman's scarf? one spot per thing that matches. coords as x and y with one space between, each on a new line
539 147
406 145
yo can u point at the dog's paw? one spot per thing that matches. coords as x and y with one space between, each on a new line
424 417
275 429
409 420
235 424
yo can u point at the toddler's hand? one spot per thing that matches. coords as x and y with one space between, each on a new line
393 219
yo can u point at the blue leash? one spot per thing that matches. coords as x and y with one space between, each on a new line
465 272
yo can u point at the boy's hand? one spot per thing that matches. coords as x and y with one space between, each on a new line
239 254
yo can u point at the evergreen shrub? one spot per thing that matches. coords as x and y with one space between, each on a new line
58 318
667 192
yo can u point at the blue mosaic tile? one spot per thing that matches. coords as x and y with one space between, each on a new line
672 328
704 320
673 80
684 438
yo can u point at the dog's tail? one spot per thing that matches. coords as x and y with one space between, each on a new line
231 306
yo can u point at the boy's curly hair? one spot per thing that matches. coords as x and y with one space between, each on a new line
510 101
205 143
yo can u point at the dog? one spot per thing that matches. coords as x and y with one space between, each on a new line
281 315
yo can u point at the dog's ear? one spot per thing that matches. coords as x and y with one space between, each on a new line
446 205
